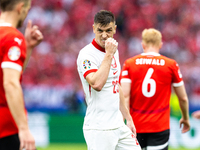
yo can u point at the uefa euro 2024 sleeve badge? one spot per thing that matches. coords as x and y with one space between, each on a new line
14 53
86 64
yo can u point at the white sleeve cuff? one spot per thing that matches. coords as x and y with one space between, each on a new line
7 64
178 84
125 80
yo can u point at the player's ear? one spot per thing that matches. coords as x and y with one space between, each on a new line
143 46
93 26
115 29
19 7
161 44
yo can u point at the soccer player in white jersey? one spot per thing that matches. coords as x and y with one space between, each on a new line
99 69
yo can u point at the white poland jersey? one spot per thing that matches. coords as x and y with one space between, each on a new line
102 106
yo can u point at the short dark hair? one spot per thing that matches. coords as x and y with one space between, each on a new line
8 5
104 17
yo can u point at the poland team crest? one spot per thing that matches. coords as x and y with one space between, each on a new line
14 53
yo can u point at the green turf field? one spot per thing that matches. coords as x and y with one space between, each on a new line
76 146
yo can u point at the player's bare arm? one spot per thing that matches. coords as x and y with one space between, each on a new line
98 79
33 37
14 96
183 102
126 88
125 112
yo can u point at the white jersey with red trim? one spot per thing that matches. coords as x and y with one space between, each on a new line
102 106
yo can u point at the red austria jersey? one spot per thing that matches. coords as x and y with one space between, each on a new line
12 55
151 76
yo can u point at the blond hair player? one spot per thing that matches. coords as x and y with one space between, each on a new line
146 81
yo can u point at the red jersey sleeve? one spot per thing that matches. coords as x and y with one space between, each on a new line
177 76
14 51
125 74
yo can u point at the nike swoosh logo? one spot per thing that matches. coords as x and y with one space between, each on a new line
115 72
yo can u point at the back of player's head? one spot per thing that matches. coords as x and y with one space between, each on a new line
104 17
151 37
8 5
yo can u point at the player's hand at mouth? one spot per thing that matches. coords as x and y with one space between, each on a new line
111 46
104 40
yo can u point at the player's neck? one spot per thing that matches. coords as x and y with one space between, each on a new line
9 17
151 49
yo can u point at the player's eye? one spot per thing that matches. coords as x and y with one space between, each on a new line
99 30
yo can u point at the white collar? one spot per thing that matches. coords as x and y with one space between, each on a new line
5 24
151 53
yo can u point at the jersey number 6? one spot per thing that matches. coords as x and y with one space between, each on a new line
149 92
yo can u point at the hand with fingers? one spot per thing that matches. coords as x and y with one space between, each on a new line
27 141
111 46
186 125
131 125
33 35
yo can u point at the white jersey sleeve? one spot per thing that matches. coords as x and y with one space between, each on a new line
87 64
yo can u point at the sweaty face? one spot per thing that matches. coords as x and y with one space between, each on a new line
102 33
24 13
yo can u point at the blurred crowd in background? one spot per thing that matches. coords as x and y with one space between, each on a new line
51 81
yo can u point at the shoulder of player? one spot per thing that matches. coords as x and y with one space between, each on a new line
17 34
167 59
86 53
12 31
13 34
132 59
89 50
85 50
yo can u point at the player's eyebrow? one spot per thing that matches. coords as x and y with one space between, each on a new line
99 29
109 29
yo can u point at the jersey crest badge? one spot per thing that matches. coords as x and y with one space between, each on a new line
86 64
114 64
14 53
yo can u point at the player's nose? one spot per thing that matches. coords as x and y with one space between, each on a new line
104 35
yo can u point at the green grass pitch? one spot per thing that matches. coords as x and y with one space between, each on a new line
82 146
74 146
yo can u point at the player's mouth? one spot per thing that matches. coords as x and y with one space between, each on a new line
104 41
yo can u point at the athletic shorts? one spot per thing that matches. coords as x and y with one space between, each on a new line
10 142
154 141
115 139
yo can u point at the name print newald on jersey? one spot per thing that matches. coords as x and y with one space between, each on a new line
146 61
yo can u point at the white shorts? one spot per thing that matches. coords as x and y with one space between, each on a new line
115 139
